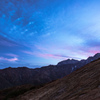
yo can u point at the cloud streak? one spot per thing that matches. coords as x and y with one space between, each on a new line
47 56
11 55
9 59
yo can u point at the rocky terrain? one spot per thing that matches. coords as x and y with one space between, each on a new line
82 84
10 77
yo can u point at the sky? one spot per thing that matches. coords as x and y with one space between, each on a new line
36 33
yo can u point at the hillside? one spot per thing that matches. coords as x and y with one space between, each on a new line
82 84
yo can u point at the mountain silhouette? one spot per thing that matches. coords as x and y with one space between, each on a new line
10 77
82 84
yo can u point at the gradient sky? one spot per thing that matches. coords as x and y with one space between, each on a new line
42 32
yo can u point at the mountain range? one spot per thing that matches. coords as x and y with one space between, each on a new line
82 84
10 77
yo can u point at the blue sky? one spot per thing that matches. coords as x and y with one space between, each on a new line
42 32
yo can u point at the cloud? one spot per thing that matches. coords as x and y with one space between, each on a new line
48 55
9 59
46 35
28 52
43 55
95 42
6 42
40 47
11 55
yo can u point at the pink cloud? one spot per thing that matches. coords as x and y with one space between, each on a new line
52 56
48 56
44 55
28 52
9 59
84 52
94 50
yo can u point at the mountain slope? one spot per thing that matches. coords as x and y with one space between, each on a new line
10 77
82 84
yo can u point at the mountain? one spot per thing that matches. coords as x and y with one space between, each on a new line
82 84
10 77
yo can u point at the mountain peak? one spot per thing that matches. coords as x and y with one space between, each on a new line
73 61
68 61
97 55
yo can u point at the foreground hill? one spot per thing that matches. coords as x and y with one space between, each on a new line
10 77
82 84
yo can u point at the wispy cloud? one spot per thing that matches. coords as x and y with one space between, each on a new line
7 42
40 47
46 35
43 55
47 55
11 55
30 53
9 59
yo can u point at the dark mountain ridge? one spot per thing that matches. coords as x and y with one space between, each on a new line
10 77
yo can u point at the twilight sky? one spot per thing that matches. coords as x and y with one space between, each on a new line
41 32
